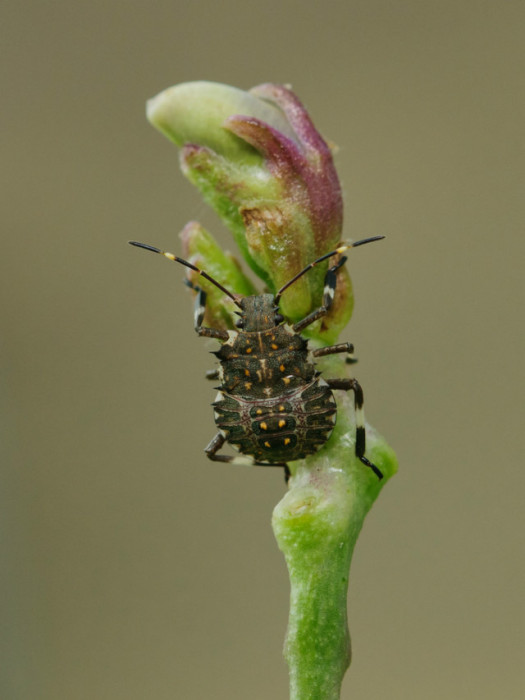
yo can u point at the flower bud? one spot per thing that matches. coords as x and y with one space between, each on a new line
261 164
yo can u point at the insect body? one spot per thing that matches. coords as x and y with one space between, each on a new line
273 406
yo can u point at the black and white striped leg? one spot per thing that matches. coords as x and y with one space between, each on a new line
335 349
198 315
199 309
330 282
360 434
218 442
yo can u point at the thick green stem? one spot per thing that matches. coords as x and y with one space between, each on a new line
317 552
316 525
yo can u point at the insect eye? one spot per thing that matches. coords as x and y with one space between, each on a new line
239 323
279 318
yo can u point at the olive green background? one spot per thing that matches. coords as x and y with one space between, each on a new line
134 568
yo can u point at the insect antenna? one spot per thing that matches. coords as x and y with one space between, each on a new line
175 258
339 250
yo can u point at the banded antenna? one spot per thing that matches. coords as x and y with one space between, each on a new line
176 258
339 250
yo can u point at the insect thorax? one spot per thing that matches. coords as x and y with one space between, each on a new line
264 364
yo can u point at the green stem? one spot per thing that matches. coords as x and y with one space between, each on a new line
316 526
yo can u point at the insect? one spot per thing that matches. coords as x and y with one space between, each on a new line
273 406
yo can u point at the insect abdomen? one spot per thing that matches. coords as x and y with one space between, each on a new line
278 429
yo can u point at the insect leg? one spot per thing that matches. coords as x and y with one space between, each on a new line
218 442
360 435
198 315
212 374
214 446
330 282
335 349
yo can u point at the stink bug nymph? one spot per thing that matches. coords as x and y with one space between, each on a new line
273 406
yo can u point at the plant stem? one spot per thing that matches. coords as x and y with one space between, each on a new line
316 525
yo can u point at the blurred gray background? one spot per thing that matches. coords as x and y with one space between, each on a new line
132 566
